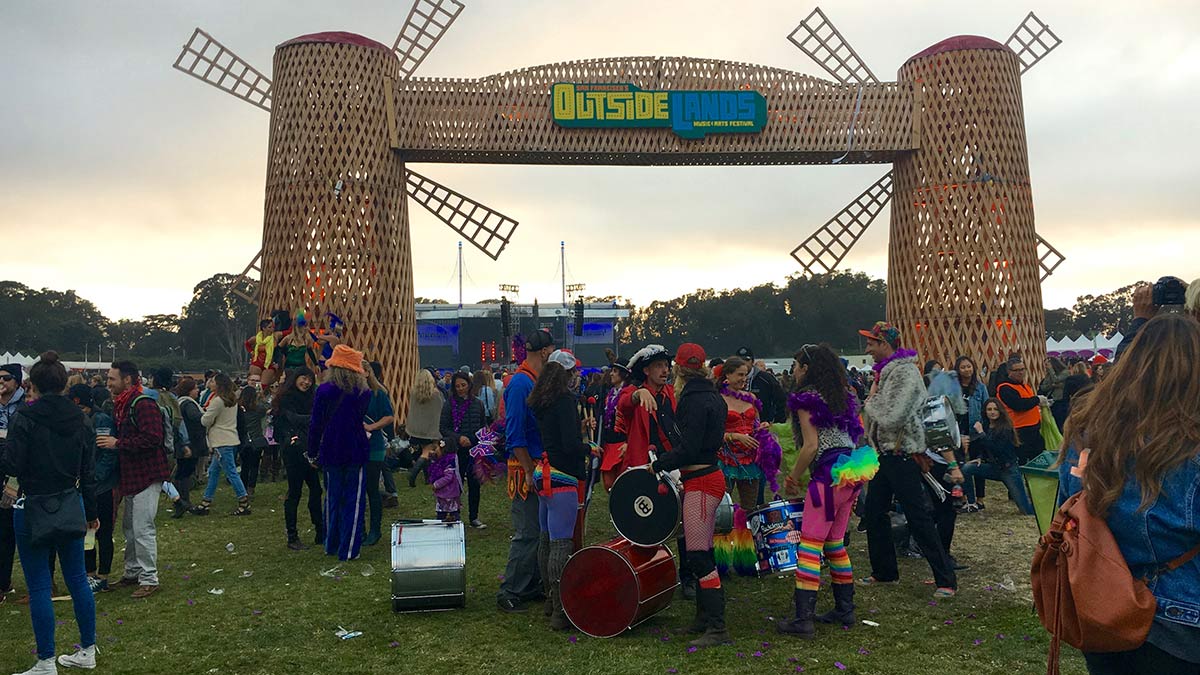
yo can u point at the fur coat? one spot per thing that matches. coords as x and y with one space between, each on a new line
894 412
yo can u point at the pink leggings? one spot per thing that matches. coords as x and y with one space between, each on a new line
822 536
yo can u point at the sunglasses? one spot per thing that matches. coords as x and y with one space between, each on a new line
7 378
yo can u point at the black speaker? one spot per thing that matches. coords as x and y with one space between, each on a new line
505 318
579 318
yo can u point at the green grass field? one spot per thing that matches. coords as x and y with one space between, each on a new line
282 617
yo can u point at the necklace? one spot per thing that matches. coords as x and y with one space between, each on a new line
458 410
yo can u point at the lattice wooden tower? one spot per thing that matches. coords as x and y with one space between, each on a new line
962 260
348 117
335 233
965 264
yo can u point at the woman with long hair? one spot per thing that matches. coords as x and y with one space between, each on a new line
995 442
291 411
974 393
50 454
561 472
740 449
483 384
338 445
1078 380
220 419
462 417
1132 445
252 424
700 416
425 401
1052 388
828 433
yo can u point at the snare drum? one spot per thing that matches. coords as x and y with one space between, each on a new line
429 559
941 425
776 530
611 587
644 507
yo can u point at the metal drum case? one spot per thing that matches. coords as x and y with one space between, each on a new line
429 559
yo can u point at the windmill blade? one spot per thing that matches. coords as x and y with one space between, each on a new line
1032 41
488 229
242 279
1049 257
817 37
427 21
210 61
824 250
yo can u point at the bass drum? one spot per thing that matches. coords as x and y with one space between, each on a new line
611 587
645 508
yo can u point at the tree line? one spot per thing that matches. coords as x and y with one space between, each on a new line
771 319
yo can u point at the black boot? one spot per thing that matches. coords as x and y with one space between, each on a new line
802 625
180 509
700 623
687 578
544 571
843 606
415 470
560 551
713 602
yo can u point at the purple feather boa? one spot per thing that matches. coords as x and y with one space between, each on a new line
899 354
769 456
822 417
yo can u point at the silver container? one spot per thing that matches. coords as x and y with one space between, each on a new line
429 561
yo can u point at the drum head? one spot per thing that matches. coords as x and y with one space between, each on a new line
639 512
599 590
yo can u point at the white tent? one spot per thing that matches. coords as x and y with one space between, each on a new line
28 361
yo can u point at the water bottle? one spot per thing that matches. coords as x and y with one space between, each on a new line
89 540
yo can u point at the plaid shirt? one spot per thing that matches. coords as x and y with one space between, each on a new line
143 459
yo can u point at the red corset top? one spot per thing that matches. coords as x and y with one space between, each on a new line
741 423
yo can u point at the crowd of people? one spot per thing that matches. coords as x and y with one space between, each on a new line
74 454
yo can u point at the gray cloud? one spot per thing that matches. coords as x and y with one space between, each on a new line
107 147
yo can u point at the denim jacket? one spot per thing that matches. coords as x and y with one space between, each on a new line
1148 539
975 401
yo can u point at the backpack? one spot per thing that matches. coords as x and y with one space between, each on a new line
171 436
1083 590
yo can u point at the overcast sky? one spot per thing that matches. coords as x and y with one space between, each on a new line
129 182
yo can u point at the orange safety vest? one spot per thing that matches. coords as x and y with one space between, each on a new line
1023 418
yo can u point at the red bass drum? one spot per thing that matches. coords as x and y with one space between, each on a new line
609 588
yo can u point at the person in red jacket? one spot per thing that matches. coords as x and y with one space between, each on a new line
143 468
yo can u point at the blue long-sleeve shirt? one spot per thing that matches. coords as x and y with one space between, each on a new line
520 427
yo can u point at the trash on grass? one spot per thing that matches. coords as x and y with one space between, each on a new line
367 570
229 547
344 634
872 624
246 574
216 591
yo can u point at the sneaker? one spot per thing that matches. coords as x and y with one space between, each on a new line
128 581
144 591
297 546
943 593
42 667
511 606
478 524
391 502
82 658
98 585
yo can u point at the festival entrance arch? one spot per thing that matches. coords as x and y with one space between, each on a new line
348 118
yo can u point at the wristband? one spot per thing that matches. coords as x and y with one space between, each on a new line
952 465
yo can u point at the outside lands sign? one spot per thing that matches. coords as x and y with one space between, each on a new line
690 114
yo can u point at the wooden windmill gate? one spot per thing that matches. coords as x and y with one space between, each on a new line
347 119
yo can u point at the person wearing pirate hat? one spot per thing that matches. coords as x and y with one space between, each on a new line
651 408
